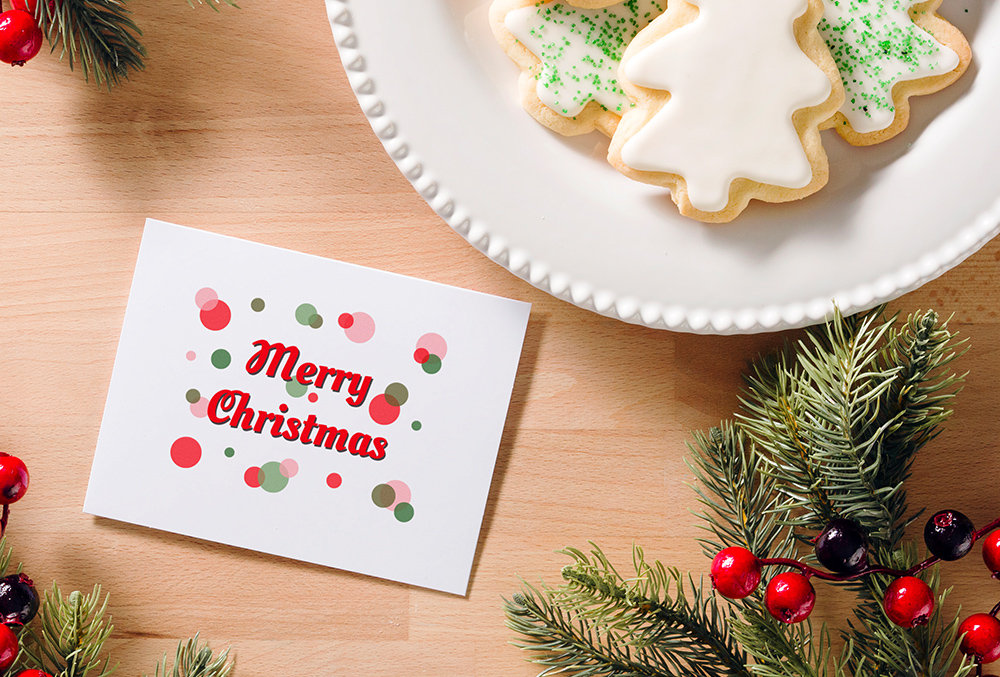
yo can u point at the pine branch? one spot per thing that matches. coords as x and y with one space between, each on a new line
916 403
190 661
214 4
600 623
71 639
744 508
97 34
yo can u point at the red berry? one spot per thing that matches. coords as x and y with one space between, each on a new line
735 572
8 647
991 552
908 601
33 673
982 637
13 473
20 37
790 597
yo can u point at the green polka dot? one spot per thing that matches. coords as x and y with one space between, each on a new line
432 365
295 389
271 478
383 495
192 396
416 425
403 512
396 394
257 305
229 452
304 313
221 358
316 321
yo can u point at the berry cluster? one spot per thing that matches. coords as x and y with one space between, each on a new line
20 35
18 599
843 550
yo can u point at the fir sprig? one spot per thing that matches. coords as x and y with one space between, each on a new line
599 623
829 428
194 661
98 35
70 642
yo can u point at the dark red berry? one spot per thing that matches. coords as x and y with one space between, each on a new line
8 647
33 673
991 552
842 547
13 473
982 637
790 597
735 572
949 535
20 37
908 601
18 599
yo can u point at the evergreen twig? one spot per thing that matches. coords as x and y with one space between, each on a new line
192 661
70 642
829 428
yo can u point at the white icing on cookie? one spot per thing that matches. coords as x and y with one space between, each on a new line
580 50
876 44
735 75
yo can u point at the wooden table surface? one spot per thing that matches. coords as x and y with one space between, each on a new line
243 124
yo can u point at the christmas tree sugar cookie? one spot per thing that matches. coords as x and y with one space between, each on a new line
888 51
729 96
569 58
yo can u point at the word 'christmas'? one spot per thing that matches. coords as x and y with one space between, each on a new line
233 407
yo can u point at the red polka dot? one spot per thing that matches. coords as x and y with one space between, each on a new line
421 355
381 411
252 477
346 320
333 480
217 317
312 397
185 452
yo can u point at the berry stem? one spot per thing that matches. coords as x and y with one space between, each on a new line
809 571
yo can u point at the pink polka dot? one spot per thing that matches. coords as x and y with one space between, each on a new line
381 411
252 477
185 452
288 467
217 317
402 492
205 296
190 356
333 480
345 320
362 329
421 355
433 344
312 397
200 408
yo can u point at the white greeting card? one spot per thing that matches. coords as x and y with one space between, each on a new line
304 407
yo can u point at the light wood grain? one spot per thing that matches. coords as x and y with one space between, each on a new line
244 124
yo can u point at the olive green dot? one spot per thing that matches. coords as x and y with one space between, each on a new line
192 396
316 321
383 495
396 394
257 305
